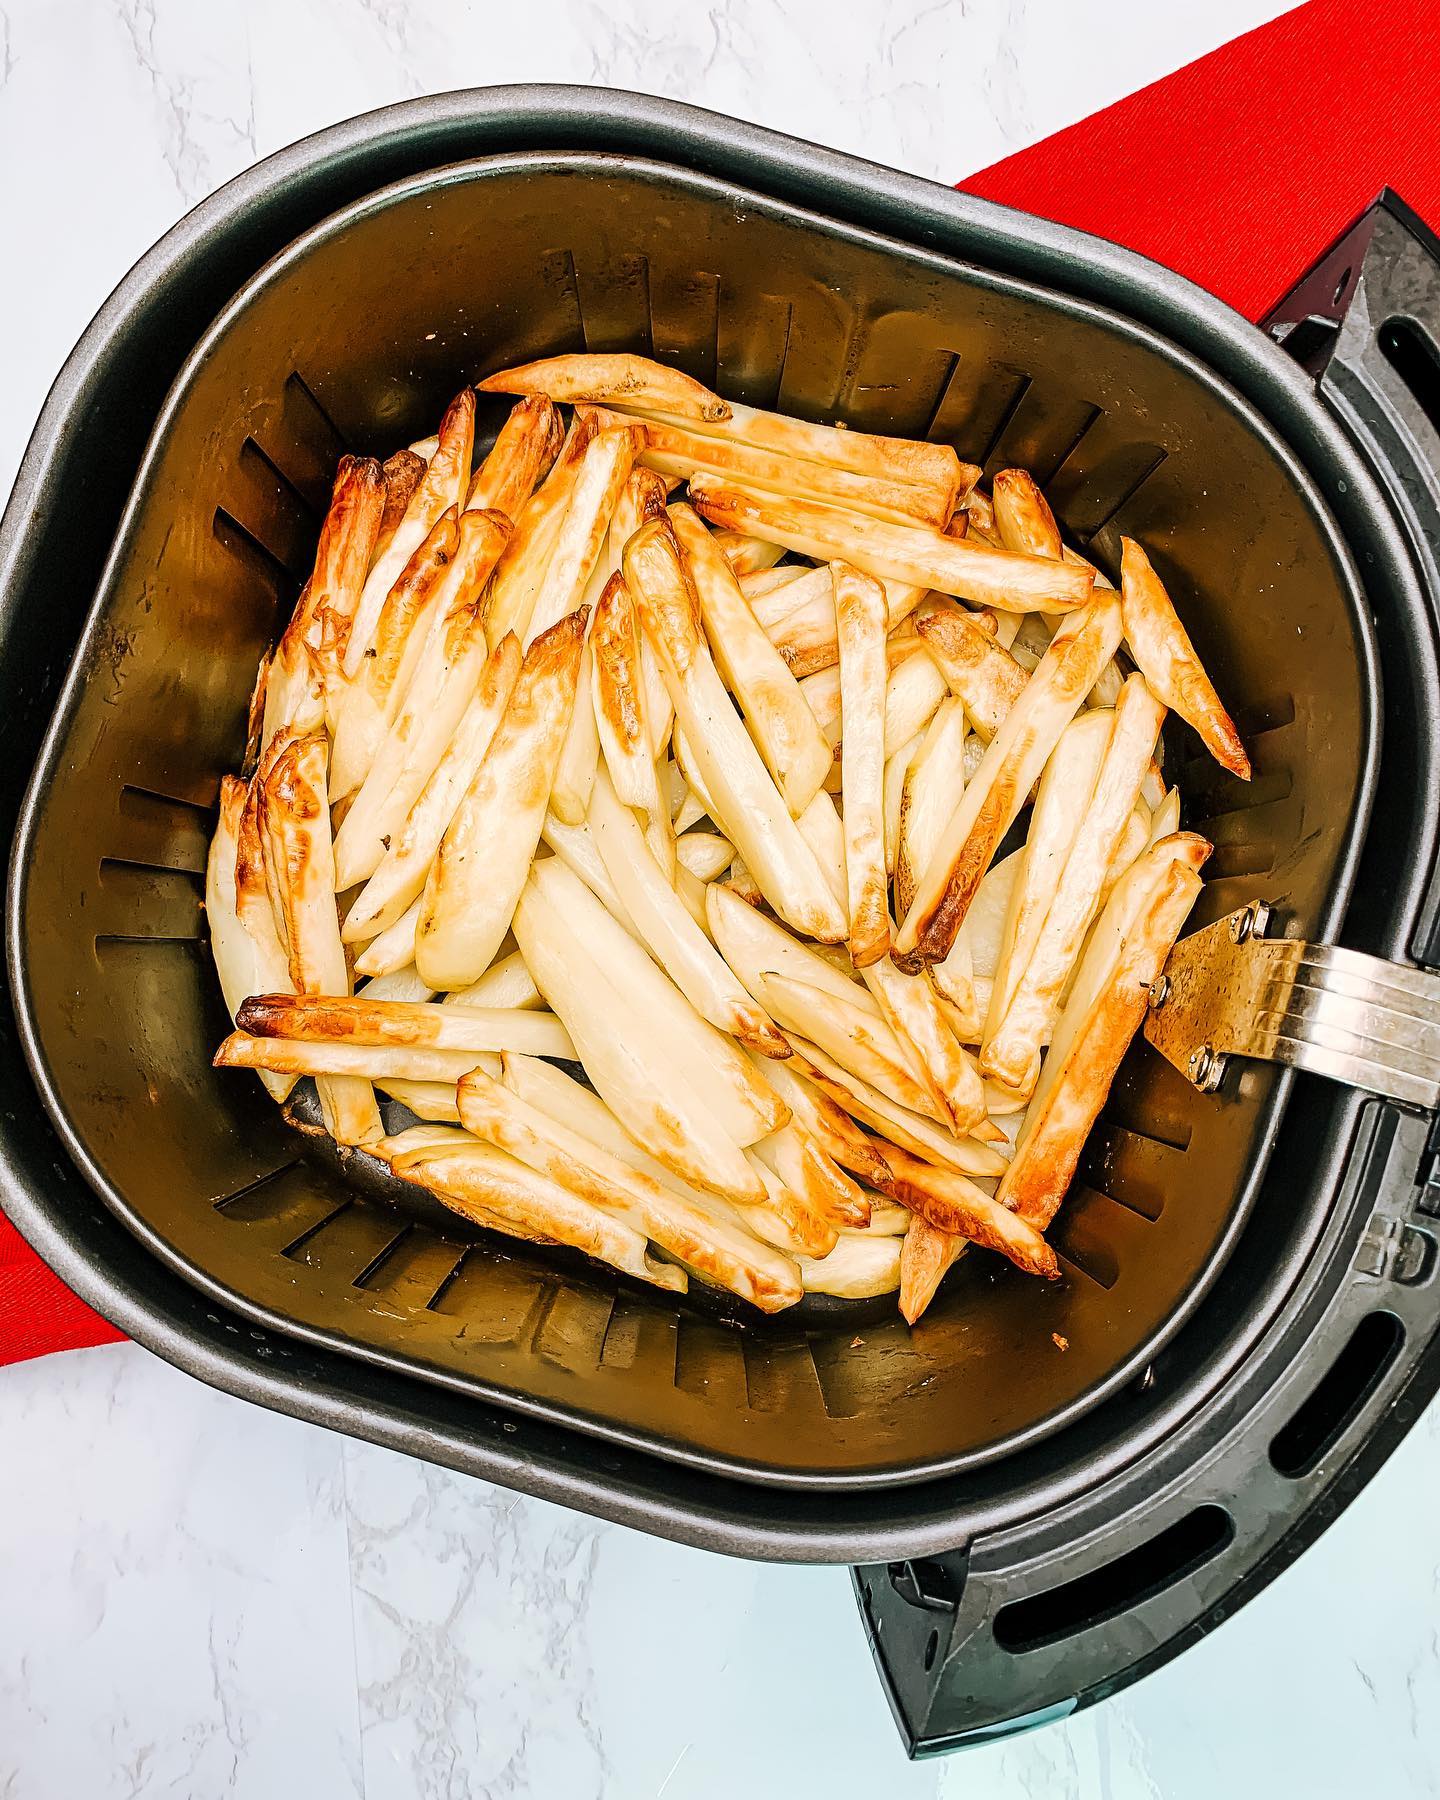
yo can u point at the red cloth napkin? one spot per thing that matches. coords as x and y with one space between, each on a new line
1236 171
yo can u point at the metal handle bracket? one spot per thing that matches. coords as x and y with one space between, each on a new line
1228 990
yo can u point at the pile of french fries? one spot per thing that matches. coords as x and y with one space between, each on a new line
679 741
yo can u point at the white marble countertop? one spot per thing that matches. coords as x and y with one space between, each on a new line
201 1599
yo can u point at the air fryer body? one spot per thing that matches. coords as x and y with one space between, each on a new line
1201 1228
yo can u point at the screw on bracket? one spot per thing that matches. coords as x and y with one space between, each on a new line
1159 993
1206 1069
1253 921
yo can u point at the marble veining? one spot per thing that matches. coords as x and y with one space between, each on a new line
201 1599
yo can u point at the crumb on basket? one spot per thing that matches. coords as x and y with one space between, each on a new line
856 1342
1060 1343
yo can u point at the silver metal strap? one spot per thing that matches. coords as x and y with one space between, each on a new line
1230 991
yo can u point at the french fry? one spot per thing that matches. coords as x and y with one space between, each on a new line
303 680
832 1128
580 750
762 582
333 1062
985 678
700 1238
576 847
361 1020
553 1093
933 784
790 742
858 1268
676 449
801 1161
887 1219
950 1202
926 1256
913 694
897 767
523 569
376 689
662 1086
1023 520
485 854
1167 660
245 966
705 854
1011 1053
912 1011
445 678
918 555
747 555
497 1190
1107 1004
1064 796
399 984
524 450
757 947
506 982
637 385
953 980
442 486
393 948
669 932
430 1100
860 624
621 718
896 1124
787 1220
399 878
402 472
861 1043
300 874
750 810
600 477
822 829
1017 754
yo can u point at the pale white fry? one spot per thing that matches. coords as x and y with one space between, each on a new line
915 554
524 450
430 1100
480 867
575 846
669 931
790 742
823 830
913 695
859 1042
399 879
800 1160
619 698
580 752
746 803
897 767
860 625
1023 519
245 966
523 569
860 1267
393 948
1011 1053
757 947
934 783
660 1084
399 984
705 854
926 1257
913 1013
599 480
505 983
1017 754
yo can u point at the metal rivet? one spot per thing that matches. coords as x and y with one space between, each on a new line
1202 1061
1159 993
1251 921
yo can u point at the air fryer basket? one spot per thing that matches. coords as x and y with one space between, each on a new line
1016 1588
354 338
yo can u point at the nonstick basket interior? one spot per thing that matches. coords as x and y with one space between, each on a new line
354 339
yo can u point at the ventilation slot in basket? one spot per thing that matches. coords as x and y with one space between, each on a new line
1336 1401
1411 352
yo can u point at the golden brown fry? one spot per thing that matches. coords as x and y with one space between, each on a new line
523 569
599 480
913 1013
400 878
985 678
497 1190
246 965
402 473
949 1202
801 1161
300 875
1167 660
859 1040
926 1256
1011 1053
524 450
1018 752
441 486
740 796
362 1020
701 1238
1023 518
619 700
485 854
1125 957
376 690
336 1063
915 554
636 384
